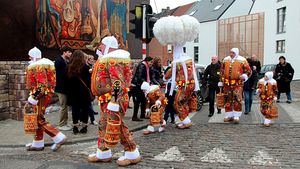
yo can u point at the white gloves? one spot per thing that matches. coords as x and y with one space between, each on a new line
245 77
257 91
32 101
158 103
275 98
147 111
220 84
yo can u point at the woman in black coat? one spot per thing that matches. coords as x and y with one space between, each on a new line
284 73
79 95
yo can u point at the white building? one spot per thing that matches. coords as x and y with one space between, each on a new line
281 35
208 12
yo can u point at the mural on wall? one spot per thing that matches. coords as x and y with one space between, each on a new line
79 23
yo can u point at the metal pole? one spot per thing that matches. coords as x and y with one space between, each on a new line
144 46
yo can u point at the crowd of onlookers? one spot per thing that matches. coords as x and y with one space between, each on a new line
73 73
283 74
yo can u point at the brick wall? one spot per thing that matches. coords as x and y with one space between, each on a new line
156 49
13 92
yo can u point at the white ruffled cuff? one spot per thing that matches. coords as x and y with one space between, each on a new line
150 128
103 154
36 144
113 107
158 102
245 77
220 84
186 121
32 101
132 155
58 138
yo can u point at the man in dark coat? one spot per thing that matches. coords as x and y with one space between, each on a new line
284 73
142 74
255 63
212 77
60 88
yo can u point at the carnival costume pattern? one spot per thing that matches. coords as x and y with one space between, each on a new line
40 81
177 31
111 79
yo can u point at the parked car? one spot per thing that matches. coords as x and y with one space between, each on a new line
266 68
202 94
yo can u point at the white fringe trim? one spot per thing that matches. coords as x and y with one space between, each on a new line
58 138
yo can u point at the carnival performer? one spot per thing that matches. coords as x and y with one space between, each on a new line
112 77
40 81
177 31
235 70
156 103
267 91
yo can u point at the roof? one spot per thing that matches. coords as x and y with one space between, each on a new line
178 11
181 10
209 10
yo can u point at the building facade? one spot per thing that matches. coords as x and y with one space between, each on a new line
281 38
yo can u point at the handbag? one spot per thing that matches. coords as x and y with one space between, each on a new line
91 96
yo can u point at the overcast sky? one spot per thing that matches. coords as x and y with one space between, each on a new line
165 3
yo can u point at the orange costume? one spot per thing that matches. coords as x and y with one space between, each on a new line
267 90
40 81
111 79
156 103
186 81
234 71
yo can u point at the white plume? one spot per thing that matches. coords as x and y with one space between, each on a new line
176 30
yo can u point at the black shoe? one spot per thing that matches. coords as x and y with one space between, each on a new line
136 119
210 114
219 111
83 130
129 107
75 130
289 101
246 113
95 113
277 101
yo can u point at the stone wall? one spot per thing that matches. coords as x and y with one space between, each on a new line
13 93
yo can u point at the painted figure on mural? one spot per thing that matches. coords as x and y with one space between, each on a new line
111 79
41 81
77 23
235 70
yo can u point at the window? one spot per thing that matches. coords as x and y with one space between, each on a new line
280 46
196 40
184 49
196 53
281 20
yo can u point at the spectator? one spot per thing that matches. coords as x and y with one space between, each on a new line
284 73
60 88
170 110
79 91
249 87
255 63
212 76
156 72
90 61
142 74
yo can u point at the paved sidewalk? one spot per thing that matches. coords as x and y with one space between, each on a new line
12 132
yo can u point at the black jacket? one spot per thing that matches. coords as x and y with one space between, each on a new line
284 75
140 75
251 83
254 63
61 75
78 93
156 75
212 75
